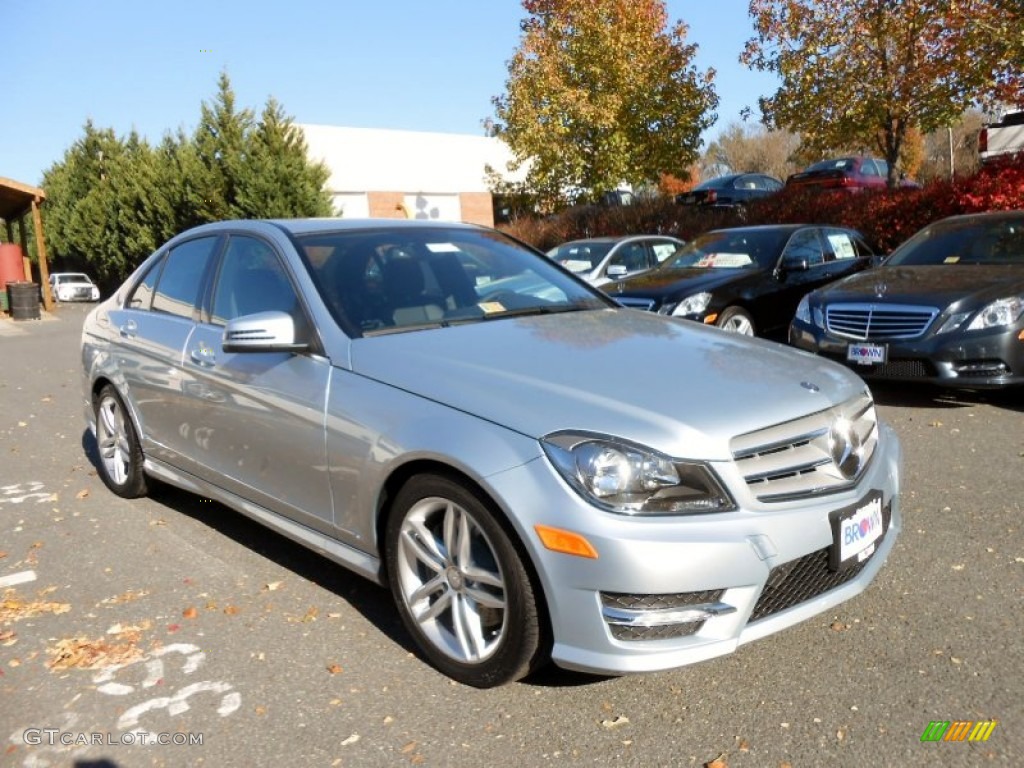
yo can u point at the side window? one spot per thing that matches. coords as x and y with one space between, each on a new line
868 168
142 295
178 289
805 244
251 280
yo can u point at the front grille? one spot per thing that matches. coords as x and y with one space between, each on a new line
878 321
806 457
635 303
902 369
653 604
800 580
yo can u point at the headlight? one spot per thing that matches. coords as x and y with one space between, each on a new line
998 313
805 314
631 480
692 305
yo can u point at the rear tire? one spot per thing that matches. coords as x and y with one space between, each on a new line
460 584
119 448
737 320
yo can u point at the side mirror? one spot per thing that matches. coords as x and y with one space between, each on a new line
793 264
617 270
262 332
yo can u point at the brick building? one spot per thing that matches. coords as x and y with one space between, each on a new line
408 174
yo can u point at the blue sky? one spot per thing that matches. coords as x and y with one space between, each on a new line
428 65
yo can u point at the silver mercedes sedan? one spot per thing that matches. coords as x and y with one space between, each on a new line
535 472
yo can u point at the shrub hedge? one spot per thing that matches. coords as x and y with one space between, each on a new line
886 217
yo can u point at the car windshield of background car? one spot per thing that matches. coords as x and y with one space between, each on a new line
381 281
982 242
728 250
581 257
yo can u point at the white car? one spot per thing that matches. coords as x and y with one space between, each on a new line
73 286
600 260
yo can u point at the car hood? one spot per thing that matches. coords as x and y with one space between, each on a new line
673 385
675 283
938 286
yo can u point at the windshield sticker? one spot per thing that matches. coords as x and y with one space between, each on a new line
490 307
842 246
951 260
725 260
442 248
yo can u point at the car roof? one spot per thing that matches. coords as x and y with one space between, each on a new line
311 226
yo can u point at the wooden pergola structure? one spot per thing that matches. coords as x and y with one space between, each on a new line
17 201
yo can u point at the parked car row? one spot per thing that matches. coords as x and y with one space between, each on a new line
452 415
847 174
946 307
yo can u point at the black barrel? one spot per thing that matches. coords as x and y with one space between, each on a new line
23 301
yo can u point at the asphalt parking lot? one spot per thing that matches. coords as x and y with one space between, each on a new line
175 619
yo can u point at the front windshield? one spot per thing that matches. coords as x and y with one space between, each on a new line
72 278
730 249
387 279
580 256
965 241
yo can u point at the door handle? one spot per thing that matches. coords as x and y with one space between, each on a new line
129 329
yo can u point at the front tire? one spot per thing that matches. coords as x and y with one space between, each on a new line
460 584
119 448
737 320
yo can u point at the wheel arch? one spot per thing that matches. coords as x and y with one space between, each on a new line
402 474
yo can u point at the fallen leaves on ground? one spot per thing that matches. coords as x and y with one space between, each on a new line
334 669
190 612
718 762
13 608
7 637
615 722
232 610
350 740
82 494
839 626
125 597
272 586
83 653
310 615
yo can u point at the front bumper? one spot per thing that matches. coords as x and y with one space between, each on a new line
981 359
726 578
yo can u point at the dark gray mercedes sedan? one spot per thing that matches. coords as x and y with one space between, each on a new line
445 411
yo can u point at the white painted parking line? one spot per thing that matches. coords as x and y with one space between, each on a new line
22 577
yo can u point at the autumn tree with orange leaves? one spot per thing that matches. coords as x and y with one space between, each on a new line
867 72
600 93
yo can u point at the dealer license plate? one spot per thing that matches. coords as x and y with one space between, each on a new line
866 354
856 531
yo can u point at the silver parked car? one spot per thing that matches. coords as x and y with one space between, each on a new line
383 393
601 260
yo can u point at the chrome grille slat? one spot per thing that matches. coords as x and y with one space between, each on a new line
795 459
879 321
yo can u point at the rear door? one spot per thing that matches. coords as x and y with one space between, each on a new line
153 326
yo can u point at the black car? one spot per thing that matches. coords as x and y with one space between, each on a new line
729 191
746 279
946 307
